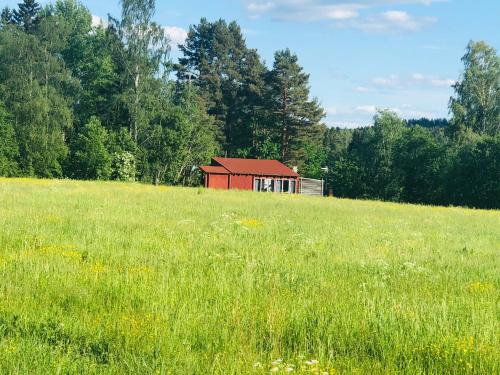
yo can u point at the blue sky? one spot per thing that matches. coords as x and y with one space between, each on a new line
361 54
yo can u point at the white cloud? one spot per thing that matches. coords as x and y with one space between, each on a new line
415 81
304 12
391 22
432 80
176 34
396 16
418 77
403 20
391 81
341 13
331 111
364 89
260 7
405 111
367 109
357 14
442 82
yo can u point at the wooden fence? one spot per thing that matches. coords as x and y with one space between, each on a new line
308 186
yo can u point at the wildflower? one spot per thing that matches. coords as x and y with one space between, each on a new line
144 270
480 287
275 369
97 268
251 223
312 362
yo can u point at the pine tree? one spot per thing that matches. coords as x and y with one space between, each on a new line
6 17
217 61
297 117
27 16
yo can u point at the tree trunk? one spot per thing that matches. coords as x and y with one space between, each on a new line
284 126
135 120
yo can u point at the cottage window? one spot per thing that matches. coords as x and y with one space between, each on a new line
257 185
266 185
279 186
286 186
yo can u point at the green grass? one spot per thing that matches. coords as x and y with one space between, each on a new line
124 278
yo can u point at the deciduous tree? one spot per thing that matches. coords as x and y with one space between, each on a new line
476 104
90 159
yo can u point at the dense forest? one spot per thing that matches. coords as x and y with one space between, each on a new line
107 102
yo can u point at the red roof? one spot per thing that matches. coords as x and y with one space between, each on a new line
256 167
214 170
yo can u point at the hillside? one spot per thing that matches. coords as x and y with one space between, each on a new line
126 278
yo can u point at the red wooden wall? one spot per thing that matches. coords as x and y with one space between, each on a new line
236 182
218 181
241 182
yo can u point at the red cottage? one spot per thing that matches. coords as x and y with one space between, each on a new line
250 174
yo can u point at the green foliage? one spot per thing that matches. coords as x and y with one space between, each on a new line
32 85
230 78
9 150
27 15
348 177
414 164
183 139
387 131
90 159
419 166
6 17
439 123
474 176
146 48
100 72
477 101
269 150
68 25
315 162
296 116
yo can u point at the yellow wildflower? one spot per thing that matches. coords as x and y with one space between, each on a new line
251 223
480 287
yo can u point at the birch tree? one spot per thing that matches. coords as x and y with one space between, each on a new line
147 49
476 105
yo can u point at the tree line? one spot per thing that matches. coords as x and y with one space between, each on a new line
441 162
107 102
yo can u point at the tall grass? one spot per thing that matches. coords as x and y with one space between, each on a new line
123 278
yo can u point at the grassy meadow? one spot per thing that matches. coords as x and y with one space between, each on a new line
112 278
